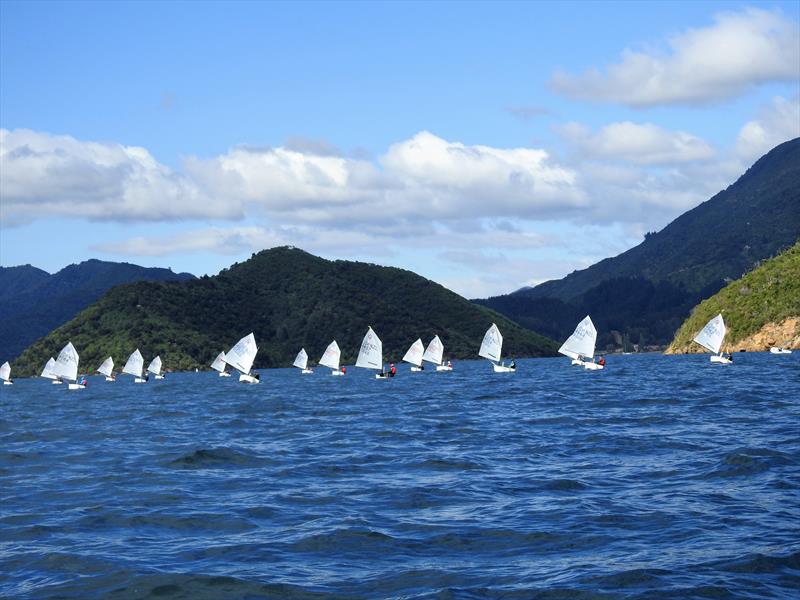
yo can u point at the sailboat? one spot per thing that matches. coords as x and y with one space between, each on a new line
134 366
5 373
241 357
710 338
49 372
414 356
433 354
301 362
491 348
370 356
219 365
66 367
779 350
107 369
330 358
580 345
155 367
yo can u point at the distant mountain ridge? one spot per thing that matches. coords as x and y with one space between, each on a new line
289 299
644 294
34 302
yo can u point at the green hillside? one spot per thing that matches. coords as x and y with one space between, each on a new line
290 299
770 294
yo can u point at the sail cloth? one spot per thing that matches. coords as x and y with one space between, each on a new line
219 362
331 356
155 366
66 366
711 336
582 341
414 354
371 354
242 355
434 351
106 367
492 344
301 360
135 364
49 369
5 372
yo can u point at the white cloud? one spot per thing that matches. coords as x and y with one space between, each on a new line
739 51
776 123
46 175
643 143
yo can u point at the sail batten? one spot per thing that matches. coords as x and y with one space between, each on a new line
492 344
242 355
582 341
434 351
331 356
134 364
414 354
370 356
711 336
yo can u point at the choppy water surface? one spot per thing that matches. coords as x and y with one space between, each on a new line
660 476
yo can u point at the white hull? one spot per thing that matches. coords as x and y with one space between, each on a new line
306 372
443 368
224 374
76 386
382 376
110 379
779 351
576 362
720 360
159 377
56 382
337 374
139 380
592 366
416 370
7 382
248 379
502 369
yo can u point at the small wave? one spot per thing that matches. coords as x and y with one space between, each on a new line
748 461
344 540
565 485
215 458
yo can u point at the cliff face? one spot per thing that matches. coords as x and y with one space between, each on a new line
761 310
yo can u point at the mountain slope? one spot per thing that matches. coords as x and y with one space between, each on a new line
33 302
290 299
646 292
761 309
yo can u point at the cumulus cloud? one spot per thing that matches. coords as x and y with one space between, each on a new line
739 51
643 143
776 123
46 175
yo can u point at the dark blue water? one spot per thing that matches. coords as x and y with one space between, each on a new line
658 477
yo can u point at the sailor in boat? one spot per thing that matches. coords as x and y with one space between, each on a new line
449 364
343 370
512 365
257 375
392 370
601 361
82 380
729 356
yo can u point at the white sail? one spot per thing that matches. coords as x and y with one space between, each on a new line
414 354
135 364
5 371
219 362
582 340
301 360
242 355
710 337
66 366
434 351
106 367
155 366
370 356
492 344
49 369
331 356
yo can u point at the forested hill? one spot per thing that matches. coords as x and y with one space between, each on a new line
644 294
762 309
34 302
290 299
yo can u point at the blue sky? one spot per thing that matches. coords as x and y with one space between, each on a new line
486 146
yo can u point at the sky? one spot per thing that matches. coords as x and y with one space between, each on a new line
486 146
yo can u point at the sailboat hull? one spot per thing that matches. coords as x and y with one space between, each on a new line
576 362
720 360
248 379
56 382
139 380
8 382
592 366
110 379
443 368
306 372
416 370
502 369
337 374
779 351
76 386
159 377
224 374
